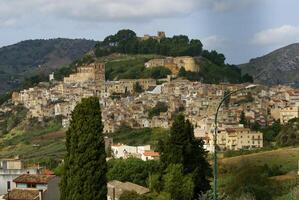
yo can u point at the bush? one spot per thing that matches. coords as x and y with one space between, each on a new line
251 179
132 169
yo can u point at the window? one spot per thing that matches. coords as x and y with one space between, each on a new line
31 185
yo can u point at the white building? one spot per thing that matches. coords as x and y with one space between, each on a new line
125 151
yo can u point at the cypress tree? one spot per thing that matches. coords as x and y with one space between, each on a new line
183 148
85 167
243 119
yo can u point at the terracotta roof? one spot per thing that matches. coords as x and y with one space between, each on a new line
33 178
151 153
23 194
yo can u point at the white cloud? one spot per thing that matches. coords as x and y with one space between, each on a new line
213 42
280 36
112 10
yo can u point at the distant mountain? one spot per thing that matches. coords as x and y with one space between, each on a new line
31 57
278 67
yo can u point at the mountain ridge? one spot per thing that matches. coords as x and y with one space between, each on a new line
280 66
29 57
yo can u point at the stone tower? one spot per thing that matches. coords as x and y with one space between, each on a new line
161 35
99 77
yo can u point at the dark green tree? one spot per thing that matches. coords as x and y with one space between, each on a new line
289 133
183 148
178 185
85 165
182 72
157 72
132 169
214 56
137 88
246 78
255 126
155 111
243 119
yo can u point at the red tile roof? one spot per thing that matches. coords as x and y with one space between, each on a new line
23 194
151 153
34 178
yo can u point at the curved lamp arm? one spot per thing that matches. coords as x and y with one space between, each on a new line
215 135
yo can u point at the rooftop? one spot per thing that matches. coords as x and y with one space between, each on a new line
33 178
23 194
151 153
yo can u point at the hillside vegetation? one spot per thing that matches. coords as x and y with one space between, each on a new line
32 57
213 68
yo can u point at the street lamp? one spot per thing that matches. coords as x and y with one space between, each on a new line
215 135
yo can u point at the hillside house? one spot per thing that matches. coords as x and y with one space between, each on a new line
35 187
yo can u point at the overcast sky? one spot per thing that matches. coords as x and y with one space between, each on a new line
241 29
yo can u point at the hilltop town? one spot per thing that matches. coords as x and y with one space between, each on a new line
248 121
145 103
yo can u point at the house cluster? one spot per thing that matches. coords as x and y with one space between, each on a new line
198 101
137 103
60 97
285 104
174 64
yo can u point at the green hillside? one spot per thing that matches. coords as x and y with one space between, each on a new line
32 57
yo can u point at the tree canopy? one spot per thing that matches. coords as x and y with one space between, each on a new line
126 41
85 166
289 133
183 148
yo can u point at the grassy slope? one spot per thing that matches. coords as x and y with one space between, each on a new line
33 140
286 157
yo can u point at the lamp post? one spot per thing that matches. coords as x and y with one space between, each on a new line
215 136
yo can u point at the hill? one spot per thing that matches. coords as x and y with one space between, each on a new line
30 57
287 157
278 67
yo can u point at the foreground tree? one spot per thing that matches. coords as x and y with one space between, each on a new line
178 185
85 165
183 148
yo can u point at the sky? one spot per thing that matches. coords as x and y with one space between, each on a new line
240 29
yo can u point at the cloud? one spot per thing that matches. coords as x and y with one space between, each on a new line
112 10
230 5
100 10
280 36
106 10
213 42
4 23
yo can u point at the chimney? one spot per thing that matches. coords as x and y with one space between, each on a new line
40 194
